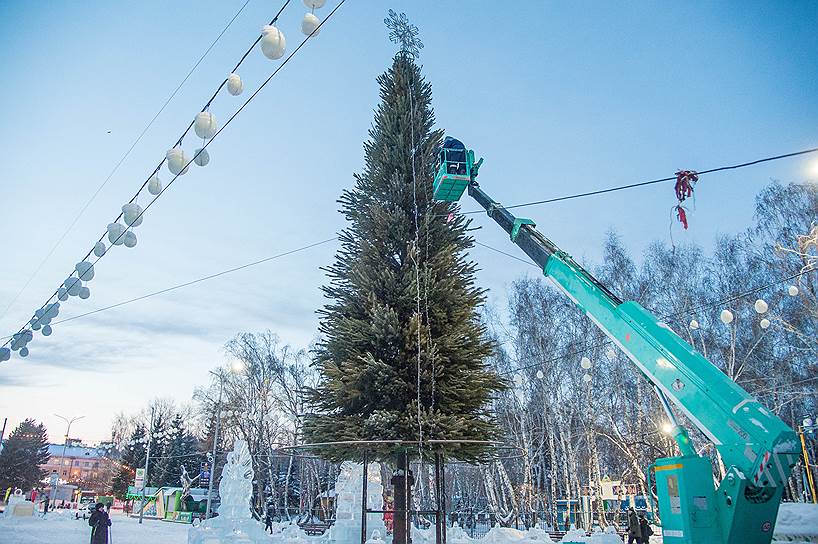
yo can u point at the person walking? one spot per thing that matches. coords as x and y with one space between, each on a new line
634 532
46 502
268 518
99 522
644 528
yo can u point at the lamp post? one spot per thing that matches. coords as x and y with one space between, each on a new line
149 436
64 446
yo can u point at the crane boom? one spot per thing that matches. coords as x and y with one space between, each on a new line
758 448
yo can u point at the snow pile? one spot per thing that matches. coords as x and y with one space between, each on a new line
18 506
797 522
235 523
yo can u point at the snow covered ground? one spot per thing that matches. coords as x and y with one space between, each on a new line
60 527
796 523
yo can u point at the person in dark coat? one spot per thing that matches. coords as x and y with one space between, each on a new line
644 528
634 531
268 518
99 523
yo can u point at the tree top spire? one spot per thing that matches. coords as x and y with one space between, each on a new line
403 33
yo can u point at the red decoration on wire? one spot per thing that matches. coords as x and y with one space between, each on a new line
685 183
681 216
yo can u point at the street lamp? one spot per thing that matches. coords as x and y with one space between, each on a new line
64 446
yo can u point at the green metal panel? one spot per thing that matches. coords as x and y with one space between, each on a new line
687 503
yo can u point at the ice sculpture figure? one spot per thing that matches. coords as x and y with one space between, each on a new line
235 523
347 527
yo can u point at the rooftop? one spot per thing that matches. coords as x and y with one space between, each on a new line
85 452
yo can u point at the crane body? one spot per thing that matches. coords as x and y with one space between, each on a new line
758 449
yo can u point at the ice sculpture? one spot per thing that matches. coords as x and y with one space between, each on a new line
347 527
235 523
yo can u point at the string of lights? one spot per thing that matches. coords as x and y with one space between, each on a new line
181 168
122 160
686 312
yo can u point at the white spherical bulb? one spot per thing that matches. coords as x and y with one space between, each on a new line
24 352
540 375
273 42
726 317
176 161
315 4
518 380
585 363
62 294
85 292
201 157
694 324
586 378
205 125
309 24
154 185
132 214
234 84
5 354
115 231
85 270
73 285
99 249
760 306
47 330
792 290
129 239
765 323
36 326
610 353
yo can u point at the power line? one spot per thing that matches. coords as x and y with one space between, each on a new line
121 160
193 282
206 144
649 182
501 252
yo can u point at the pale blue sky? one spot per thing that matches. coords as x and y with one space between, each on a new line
558 97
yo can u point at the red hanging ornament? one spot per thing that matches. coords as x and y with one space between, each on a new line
681 216
685 183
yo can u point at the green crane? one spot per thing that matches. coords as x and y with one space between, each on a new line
758 449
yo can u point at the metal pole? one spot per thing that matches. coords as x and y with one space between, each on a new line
810 481
364 490
443 494
3 432
215 441
64 446
438 520
406 502
147 459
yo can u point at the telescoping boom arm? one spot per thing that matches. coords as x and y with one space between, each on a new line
757 447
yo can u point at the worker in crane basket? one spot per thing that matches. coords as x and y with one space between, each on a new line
453 153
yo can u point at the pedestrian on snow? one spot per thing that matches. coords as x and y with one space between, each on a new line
268 519
644 528
99 523
634 531
45 505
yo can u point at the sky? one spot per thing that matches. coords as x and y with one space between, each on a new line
558 97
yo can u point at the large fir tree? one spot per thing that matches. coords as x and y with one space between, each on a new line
402 297
23 453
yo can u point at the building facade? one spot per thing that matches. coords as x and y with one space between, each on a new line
84 466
